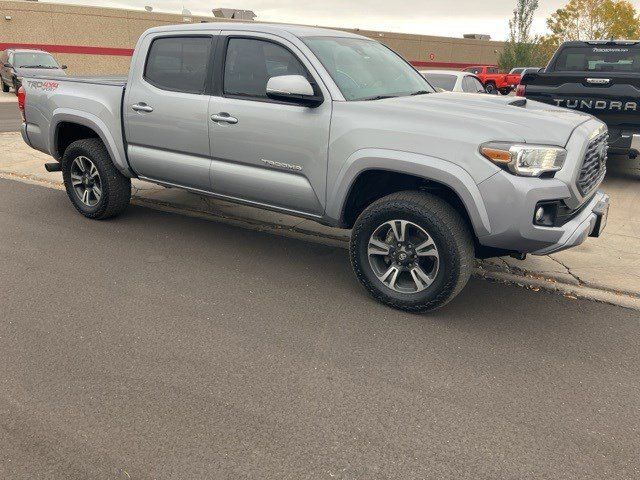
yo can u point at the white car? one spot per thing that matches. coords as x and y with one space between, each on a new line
453 81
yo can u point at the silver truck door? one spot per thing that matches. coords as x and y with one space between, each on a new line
166 109
267 152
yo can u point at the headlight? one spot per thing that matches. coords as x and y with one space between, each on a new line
523 159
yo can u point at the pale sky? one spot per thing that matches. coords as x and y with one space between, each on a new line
428 17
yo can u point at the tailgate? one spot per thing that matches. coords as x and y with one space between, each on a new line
614 98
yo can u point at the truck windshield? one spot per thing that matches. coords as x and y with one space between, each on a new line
599 58
365 69
34 60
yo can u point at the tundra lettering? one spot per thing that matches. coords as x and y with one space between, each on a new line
596 104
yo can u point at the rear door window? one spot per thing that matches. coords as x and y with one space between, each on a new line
179 64
599 58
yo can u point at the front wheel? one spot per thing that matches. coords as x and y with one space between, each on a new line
412 251
490 88
5 87
94 185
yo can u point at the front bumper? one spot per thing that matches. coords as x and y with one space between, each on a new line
589 223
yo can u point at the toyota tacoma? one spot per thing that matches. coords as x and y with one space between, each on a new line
333 127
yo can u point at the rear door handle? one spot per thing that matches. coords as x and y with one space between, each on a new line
142 107
225 118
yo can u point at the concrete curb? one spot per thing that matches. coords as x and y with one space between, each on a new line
484 270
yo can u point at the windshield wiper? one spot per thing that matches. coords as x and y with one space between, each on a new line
378 97
36 66
420 92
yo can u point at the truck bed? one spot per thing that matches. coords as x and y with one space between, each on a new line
92 101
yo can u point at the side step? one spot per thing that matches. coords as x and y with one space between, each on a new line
53 167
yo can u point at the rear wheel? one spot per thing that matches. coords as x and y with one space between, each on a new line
94 185
490 87
412 251
5 87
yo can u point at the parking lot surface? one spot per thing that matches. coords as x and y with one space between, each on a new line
160 346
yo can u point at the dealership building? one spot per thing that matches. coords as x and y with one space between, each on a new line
97 40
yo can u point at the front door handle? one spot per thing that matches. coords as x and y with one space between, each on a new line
142 107
225 118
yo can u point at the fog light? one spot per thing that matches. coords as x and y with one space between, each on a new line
545 214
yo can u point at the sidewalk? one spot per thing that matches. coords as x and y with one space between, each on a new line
605 269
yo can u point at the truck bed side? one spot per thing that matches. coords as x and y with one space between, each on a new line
60 110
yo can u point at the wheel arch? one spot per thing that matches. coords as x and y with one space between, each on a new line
373 174
68 126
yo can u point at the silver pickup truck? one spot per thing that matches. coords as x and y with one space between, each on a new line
333 127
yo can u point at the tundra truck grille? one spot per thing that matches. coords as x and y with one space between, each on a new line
594 165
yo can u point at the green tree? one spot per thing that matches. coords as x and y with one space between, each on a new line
593 20
522 48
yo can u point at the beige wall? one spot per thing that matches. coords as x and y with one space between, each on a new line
59 28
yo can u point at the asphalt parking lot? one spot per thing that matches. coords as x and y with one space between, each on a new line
160 346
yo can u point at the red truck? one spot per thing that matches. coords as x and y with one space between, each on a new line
493 80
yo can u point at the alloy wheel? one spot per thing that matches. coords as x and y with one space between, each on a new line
403 256
86 182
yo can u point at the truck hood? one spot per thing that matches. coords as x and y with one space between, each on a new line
504 118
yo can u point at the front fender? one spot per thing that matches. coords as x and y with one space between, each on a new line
89 120
429 168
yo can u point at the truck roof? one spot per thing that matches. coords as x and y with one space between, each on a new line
273 28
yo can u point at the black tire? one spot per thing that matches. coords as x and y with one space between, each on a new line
490 88
448 230
5 87
115 187
505 91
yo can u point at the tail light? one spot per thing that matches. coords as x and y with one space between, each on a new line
22 98
521 90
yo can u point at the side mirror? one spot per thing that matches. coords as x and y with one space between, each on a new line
7 65
293 89
63 67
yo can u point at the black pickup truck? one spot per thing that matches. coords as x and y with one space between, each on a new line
601 78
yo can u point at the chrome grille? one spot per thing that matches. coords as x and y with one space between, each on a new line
594 165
